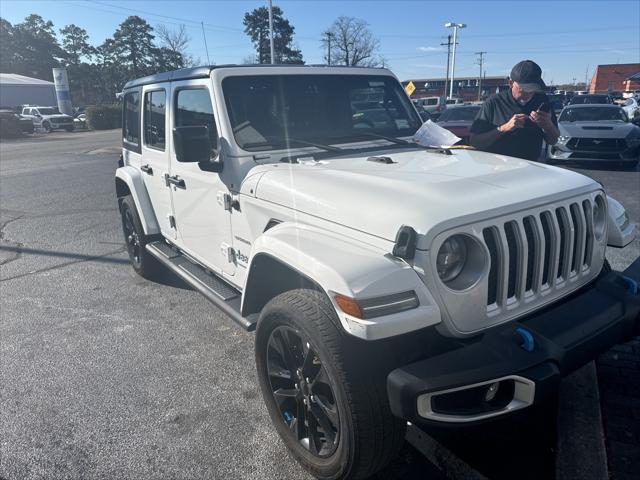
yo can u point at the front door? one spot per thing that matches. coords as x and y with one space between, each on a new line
202 221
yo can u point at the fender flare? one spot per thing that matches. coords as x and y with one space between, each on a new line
136 187
335 264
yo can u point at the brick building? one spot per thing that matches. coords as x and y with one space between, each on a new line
463 87
632 83
609 78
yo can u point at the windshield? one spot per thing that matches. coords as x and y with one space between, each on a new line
592 114
590 99
267 111
459 114
48 111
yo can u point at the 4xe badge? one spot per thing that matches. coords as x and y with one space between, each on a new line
241 257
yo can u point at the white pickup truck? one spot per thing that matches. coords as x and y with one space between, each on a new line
48 118
387 282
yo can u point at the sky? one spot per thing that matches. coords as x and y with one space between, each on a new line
566 38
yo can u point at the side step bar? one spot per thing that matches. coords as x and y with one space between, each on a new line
215 289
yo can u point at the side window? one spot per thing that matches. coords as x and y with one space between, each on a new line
131 119
154 116
193 107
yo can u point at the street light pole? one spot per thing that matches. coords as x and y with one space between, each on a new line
455 27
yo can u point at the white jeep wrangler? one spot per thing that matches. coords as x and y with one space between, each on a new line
387 282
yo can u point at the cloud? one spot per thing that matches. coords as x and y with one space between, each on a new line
430 49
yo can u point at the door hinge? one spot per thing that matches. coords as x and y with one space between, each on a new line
228 201
172 221
228 252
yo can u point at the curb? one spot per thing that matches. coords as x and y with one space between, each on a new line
581 449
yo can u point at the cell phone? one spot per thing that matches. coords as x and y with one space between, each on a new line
544 107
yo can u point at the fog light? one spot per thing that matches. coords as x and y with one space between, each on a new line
491 392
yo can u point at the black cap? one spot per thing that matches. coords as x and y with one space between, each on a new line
528 74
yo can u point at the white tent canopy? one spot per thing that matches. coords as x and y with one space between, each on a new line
16 90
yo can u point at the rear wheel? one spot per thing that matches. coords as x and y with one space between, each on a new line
142 261
46 126
325 390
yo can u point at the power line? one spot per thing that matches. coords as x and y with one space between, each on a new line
187 20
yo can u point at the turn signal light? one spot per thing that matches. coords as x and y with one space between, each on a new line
348 305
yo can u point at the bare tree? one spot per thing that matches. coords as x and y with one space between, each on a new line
352 43
175 41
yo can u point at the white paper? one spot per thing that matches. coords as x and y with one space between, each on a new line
433 135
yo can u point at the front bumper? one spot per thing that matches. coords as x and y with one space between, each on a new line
560 153
515 365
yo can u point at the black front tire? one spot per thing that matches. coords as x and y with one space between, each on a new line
363 434
69 129
135 239
47 127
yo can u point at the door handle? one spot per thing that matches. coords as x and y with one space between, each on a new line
174 180
147 169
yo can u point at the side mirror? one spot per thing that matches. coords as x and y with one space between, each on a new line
193 144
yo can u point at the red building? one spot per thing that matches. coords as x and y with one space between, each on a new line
609 78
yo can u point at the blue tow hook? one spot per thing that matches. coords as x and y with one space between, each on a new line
287 416
528 343
632 285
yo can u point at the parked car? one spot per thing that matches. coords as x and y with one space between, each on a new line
594 98
581 92
595 133
454 101
387 282
632 107
13 124
557 102
433 105
458 119
80 121
48 118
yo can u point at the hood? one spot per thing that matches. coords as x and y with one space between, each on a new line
421 189
596 129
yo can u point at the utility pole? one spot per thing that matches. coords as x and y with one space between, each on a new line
455 27
480 76
329 37
446 80
586 75
273 58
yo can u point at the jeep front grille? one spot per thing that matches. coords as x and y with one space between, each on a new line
534 256
535 252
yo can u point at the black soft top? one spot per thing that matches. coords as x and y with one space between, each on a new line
202 72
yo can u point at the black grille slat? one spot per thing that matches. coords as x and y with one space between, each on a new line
531 260
489 235
588 250
546 231
512 242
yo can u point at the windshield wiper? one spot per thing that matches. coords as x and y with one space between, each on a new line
328 148
399 141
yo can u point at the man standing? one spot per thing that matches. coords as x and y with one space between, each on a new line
515 121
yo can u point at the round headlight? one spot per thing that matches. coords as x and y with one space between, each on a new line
599 218
451 258
461 262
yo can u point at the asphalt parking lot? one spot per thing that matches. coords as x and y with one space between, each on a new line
106 375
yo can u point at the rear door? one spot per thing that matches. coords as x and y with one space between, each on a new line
154 162
203 223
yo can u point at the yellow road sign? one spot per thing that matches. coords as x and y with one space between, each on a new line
409 88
